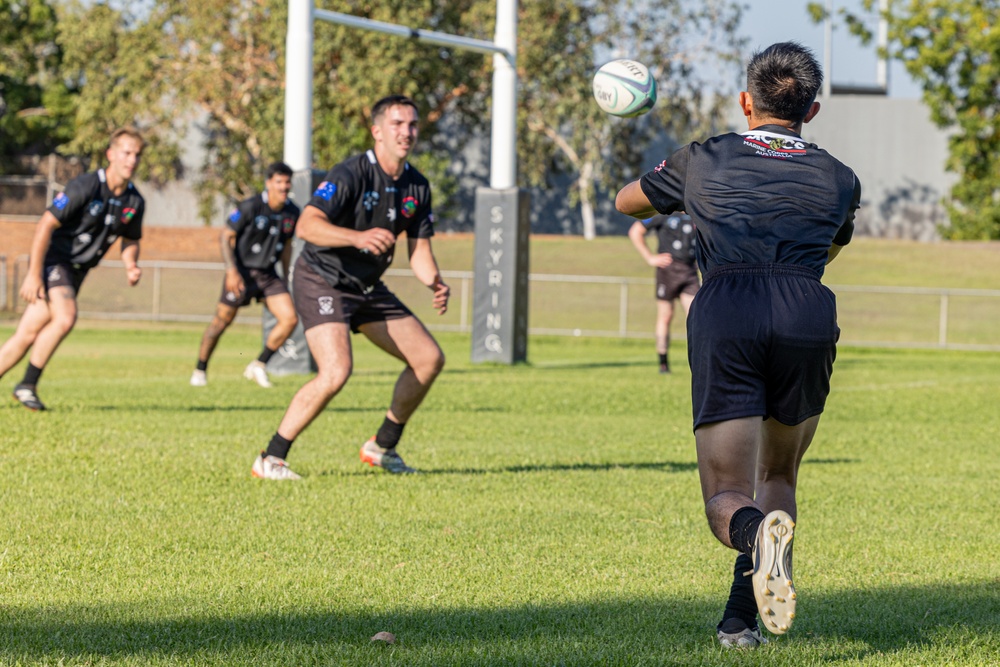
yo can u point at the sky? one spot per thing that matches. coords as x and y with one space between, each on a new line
768 21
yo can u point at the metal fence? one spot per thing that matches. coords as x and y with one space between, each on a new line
561 305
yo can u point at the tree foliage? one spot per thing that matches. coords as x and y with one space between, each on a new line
952 48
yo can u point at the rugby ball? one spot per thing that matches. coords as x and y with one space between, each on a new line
624 88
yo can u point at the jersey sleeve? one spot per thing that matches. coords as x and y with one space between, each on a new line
846 231
422 225
133 230
337 192
238 218
664 185
71 201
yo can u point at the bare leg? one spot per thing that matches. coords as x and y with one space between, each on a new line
34 319
408 340
224 316
781 452
281 307
330 345
664 313
62 314
686 300
727 461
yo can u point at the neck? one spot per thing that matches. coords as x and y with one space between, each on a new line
390 165
795 127
116 184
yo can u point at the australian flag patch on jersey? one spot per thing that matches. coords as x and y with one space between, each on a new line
234 216
60 201
326 190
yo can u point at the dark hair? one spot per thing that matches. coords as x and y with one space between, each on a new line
277 168
392 100
783 80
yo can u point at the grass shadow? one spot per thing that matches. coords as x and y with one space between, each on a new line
665 466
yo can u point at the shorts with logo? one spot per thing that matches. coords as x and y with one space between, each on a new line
762 339
676 279
257 284
64 275
316 302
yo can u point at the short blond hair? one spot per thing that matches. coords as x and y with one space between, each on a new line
127 131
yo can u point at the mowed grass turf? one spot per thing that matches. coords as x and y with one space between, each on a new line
558 520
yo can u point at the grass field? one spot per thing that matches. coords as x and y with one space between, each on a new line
558 520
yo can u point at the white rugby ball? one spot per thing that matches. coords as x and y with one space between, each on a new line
624 88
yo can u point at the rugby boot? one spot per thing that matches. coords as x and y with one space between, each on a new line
255 371
271 467
26 396
772 572
734 633
386 459
199 378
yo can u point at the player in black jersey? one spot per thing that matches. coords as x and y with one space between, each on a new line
771 210
350 227
71 237
676 271
257 234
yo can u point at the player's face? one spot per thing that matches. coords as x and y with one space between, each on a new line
123 156
278 187
396 130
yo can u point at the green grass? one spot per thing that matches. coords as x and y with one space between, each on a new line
558 522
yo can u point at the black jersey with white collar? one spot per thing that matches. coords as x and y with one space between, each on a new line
358 194
762 197
91 219
261 233
675 235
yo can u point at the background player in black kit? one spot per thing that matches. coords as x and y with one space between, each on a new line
676 270
771 211
350 228
256 235
71 238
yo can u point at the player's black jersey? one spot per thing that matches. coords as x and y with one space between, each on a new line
675 234
762 197
261 233
357 194
91 219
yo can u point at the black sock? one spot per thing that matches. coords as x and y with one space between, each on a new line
265 355
743 528
741 603
663 360
278 446
31 375
389 434
202 365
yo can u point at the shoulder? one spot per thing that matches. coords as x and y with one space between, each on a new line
416 178
134 193
88 182
291 208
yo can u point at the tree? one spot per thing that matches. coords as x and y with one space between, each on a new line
952 48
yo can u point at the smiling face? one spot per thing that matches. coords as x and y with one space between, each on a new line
278 187
395 133
123 158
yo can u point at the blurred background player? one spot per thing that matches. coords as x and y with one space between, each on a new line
350 228
256 235
771 211
71 237
676 270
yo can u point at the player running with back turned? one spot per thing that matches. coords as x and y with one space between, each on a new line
350 228
771 211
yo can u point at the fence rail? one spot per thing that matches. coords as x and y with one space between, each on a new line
561 305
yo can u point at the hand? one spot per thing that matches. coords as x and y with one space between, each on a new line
376 240
441 294
33 288
661 261
133 273
234 281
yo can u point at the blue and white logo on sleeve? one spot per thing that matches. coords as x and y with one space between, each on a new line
234 216
60 201
325 191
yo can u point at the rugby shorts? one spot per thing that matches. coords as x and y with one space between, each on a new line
676 279
64 275
257 284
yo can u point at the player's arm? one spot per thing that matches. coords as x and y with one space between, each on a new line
425 268
637 234
315 227
33 286
130 257
631 200
286 258
227 244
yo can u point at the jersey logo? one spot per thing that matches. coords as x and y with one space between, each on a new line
325 305
287 225
768 144
234 216
95 207
660 166
326 190
60 201
261 222
273 231
255 248
54 273
370 200
109 220
391 214
409 206
127 215
85 238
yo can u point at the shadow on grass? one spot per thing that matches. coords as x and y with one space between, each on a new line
862 625
665 466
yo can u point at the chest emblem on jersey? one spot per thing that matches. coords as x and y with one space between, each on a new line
287 225
326 190
409 206
370 200
391 214
95 207
127 215
60 201
261 222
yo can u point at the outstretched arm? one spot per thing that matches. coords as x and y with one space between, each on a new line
631 200
425 268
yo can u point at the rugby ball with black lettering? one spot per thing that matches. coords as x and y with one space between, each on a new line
624 88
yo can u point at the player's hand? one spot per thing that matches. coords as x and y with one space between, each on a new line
662 260
441 294
33 288
234 281
376 240
133 273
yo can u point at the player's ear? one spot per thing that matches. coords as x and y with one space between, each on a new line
746 103
813 110
376 132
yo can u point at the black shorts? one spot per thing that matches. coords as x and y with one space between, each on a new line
676 279
257 284
64 275
317 302
761 341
